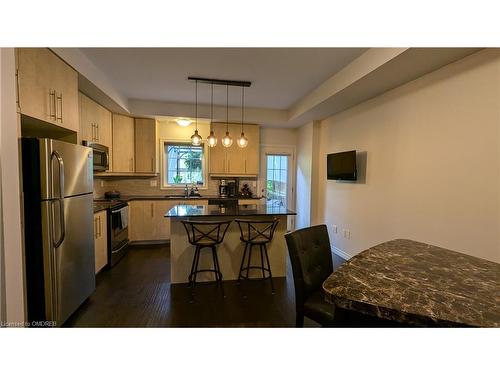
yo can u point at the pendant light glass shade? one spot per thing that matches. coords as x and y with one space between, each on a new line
196 139
227 140
242 141
211 140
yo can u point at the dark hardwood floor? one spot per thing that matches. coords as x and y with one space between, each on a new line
137 293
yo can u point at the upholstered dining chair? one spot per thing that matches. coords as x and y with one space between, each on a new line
311 259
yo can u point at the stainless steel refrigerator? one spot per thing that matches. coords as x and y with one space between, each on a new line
58 217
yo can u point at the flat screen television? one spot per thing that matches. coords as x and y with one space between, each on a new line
342 166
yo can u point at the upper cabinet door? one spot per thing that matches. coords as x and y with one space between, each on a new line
235 155
218 153
145 145
47 88
252 151
123 143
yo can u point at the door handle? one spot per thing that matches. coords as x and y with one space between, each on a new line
60 164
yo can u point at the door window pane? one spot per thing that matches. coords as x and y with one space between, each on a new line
277 179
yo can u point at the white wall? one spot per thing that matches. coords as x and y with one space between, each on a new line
11 208
432 163
307 159
277 136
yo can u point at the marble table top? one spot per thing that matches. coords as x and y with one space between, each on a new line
418 284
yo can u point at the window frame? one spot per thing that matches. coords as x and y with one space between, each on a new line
164 185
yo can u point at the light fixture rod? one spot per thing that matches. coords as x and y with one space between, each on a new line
222 82
227 108
242 105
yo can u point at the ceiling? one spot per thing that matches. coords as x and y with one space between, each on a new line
279 76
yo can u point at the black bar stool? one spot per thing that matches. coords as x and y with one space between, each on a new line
205 234
256 233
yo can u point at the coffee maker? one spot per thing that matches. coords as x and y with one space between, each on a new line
223 189
231 189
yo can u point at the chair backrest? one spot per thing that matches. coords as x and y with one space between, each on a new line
311 259
257 230
205 232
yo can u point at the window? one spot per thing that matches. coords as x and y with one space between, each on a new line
183 164
277 179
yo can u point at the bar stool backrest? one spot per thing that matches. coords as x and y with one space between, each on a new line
257 231
205 232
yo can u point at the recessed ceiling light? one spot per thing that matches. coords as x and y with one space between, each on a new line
183 122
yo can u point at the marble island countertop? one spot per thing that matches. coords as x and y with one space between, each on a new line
215 210
418 284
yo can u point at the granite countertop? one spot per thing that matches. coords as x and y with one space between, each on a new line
126 198
418 284
215 210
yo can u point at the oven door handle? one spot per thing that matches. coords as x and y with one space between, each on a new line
120 248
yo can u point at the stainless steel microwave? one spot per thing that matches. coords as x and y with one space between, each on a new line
100 156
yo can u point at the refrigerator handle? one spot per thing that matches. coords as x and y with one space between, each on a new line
61 197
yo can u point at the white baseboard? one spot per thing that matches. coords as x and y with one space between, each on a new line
341 253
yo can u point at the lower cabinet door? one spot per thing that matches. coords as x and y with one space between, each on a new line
100 240
142 221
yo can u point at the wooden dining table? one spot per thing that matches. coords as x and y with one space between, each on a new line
417 284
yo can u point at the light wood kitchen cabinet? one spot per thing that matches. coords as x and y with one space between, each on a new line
147 218
47 88
145 145
235 161
217 164
95 124
123 143
100 240
251 153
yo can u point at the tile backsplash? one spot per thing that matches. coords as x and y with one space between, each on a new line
142 186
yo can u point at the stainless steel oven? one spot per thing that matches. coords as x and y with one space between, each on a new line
118 232
100 156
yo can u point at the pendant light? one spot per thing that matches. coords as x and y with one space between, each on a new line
242 140
196 138
211 140
227 140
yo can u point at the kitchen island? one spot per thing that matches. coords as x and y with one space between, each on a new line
231 250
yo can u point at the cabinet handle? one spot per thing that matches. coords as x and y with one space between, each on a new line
152 212
245 165
52 104
60 98
95 228
131 164
17 91
229 165
99 218
152 165
97 129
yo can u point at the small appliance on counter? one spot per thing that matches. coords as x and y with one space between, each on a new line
114 194
231 189
223 189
